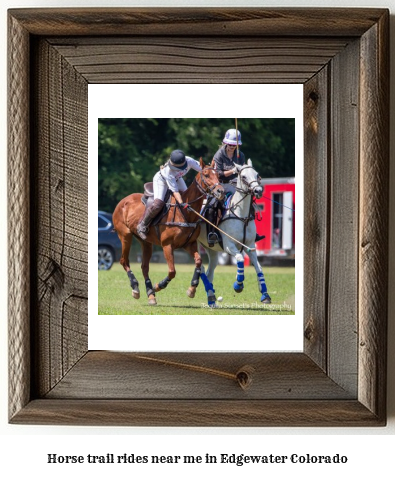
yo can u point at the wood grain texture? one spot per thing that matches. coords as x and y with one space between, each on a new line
18 217
202 413
344 216
261 22
204 375
198 59
61 202
340 377
373 227
316 214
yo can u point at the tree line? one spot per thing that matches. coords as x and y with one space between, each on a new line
131 150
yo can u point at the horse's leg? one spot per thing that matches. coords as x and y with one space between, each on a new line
265 298
230 248
169 256
208 278
212 264
125 237
147 254
192 249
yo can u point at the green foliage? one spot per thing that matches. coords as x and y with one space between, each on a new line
131 150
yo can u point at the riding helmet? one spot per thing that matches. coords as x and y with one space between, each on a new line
232 138
177 159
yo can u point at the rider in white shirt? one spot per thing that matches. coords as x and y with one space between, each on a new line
170 177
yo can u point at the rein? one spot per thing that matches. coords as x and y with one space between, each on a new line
192 225
251 182
250 217
205 192
209 189
244 220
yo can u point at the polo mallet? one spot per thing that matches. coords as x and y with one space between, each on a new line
237 140
248 249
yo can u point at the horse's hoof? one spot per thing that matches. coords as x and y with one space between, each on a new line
152 301
266 299
238 287
136 294
191 293
211 301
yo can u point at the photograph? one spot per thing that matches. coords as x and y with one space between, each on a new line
184 202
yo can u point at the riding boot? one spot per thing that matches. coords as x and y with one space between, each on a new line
212 236
149 214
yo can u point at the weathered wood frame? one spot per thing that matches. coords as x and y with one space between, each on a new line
342 57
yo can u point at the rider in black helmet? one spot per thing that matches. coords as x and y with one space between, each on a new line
169 177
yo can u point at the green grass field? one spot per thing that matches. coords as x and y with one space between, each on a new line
115 293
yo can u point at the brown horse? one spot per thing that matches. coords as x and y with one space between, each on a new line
178 228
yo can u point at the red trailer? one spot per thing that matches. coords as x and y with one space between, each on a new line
275 219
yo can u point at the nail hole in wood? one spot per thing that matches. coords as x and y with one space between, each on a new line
313 96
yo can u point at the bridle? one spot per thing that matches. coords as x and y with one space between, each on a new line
207 189
248 184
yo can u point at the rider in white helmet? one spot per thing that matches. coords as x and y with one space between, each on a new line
227 156
225 159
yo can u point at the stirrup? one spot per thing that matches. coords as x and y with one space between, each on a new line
212 238
142 231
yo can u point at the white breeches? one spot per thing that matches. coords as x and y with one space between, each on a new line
160 186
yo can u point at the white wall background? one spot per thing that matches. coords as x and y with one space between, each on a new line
24 449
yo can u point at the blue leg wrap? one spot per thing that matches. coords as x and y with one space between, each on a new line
238 286
207 284
262 287
209 289
262 283
240 272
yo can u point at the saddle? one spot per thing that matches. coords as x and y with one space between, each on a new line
148 198
225 206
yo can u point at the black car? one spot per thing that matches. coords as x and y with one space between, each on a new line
110 247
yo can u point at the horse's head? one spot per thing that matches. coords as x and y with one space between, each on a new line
249 180
208 181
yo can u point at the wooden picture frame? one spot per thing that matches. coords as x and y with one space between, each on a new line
342 58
